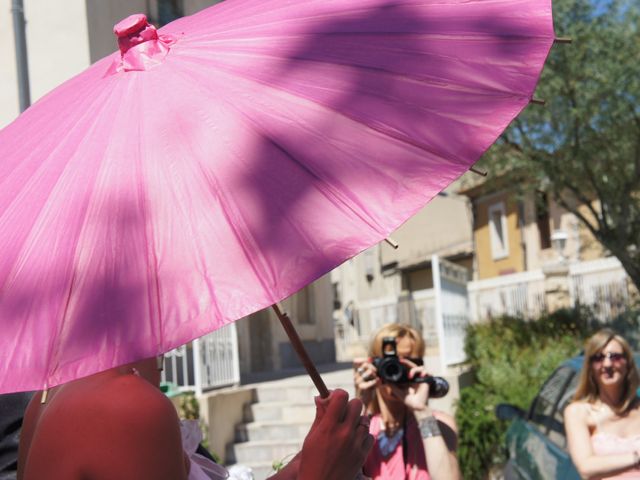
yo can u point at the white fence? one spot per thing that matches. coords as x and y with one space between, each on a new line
518 294
601 285
424 308
452 309
208 362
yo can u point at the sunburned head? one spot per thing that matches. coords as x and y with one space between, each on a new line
608 366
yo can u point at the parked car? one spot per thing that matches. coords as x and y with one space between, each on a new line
536 440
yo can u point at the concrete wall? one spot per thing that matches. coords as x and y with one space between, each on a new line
57 49
525 252
312 316
193 6
371 282
222 410
101 17
63 38
444 225
581 244
263 344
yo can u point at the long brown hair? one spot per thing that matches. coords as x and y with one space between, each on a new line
397 331
588 389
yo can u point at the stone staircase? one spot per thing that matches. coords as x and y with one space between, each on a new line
276 424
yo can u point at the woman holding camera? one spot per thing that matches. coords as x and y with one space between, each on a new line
412 441
603 422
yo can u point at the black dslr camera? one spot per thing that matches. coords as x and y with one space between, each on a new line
391 370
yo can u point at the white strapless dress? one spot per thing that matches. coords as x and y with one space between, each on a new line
201 467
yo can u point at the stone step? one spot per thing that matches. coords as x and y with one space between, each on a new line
294 393
279 412
275 426
258 452
258 431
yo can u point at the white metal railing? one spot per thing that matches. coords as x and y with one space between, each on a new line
452 309
374 314
219 358
515 294
600 285
424 307
208 362
179 368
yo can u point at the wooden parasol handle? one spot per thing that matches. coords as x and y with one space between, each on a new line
302 353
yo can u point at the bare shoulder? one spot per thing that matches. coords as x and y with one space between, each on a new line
137 430
125 406
578 409
136 402
118 427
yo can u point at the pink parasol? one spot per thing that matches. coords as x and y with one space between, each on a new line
212 170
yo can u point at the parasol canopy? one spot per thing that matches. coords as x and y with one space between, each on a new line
216 166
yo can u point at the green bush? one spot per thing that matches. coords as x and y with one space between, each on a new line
511 357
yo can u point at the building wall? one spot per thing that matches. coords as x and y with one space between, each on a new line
57 49
513 261
311 313
193 6
101 17
420 279
263 344
443 225
371 282
526 252
63 38
375 286
586 245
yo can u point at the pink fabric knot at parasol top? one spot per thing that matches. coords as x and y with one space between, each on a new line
140 46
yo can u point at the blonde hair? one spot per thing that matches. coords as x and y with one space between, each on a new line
588 389
397 331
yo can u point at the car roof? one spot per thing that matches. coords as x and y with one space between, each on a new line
575 363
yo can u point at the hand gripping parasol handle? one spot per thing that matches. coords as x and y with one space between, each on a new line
302 353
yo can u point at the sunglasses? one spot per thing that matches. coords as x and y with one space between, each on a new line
615 357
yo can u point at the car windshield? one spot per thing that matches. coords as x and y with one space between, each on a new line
548 407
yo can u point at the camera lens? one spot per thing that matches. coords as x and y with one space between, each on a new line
392 371
438 387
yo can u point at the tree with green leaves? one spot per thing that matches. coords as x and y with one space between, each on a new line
583 146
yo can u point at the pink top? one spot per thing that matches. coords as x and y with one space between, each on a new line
393 468
611 444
